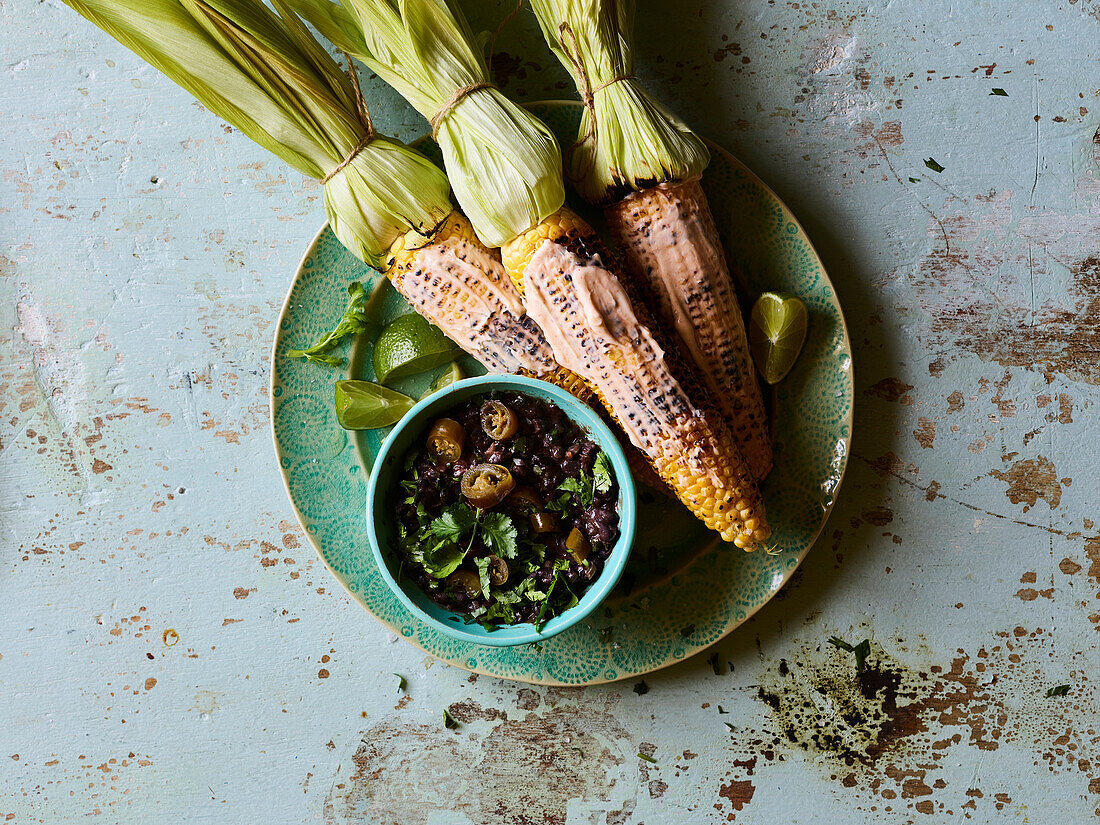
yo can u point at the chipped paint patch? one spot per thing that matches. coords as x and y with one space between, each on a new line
1031 480
512 771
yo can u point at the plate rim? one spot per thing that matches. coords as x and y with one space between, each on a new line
788 574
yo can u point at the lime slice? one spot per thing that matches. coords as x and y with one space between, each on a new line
362 405
409 345
446 378
777 331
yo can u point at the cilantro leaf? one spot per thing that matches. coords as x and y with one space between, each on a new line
353 322
400 682
647 758
1061 690
443 558
500 612
999 93
933 165
601 472
583 488
500 534
483 574
449 721
549 592
455 522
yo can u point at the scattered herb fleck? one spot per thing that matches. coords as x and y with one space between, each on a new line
914 180
722 710
860 651
641 688
400 682
578 750
1061 690
647 758
687 630
729 725
999 93
449 721
713 662
933 165
606 634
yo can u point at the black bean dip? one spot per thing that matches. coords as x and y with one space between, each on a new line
506 510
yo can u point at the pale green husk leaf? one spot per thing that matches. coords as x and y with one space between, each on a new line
504 164
637 142
263 72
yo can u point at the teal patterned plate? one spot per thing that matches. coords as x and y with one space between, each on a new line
682 590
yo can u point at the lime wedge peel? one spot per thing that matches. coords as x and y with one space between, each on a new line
364 405
777 331
454 372
409 345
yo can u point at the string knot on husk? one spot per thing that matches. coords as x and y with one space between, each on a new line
363 113
588 92
452 101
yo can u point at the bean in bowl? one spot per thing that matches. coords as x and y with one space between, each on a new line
506 512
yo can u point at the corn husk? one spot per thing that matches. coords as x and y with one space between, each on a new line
263 72
503 163
627 140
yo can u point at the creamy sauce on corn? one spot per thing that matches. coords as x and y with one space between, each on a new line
466 292
670 239
674 251
588 320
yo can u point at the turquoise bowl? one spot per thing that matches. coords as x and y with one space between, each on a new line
381 522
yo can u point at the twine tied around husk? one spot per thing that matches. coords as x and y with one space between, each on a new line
452 101
588 93
363 113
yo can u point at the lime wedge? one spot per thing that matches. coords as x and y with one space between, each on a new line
446 378
777 331
410 345
362 405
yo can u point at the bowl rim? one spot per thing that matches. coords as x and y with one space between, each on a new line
599 431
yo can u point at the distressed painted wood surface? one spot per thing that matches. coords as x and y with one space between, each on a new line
171 650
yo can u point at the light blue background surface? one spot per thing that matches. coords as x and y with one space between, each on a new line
144 252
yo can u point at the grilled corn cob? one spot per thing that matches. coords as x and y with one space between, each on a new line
668 237
458 284
572 292
630 145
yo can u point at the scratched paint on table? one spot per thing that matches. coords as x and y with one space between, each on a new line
170 647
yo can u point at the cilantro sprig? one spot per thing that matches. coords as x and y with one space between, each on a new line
586 485
353 322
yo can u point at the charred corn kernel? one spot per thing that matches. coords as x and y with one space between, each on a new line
670 243
460 286
652 398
